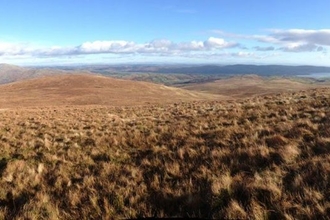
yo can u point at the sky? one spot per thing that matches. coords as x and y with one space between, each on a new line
65 32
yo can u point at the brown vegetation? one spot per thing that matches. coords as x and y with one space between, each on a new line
80 89
251 85
261 158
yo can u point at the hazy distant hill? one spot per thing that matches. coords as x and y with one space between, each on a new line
180 74
264 70
164 74
12 73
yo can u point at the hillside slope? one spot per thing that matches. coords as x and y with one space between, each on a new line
91 90
250 85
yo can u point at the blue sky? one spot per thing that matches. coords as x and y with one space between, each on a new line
46 32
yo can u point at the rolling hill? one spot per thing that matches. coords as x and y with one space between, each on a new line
262 70
250 85
12 73
82 89
77 145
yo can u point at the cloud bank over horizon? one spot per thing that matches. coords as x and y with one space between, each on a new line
227 45
160 47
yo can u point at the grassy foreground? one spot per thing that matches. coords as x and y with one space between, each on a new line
261 158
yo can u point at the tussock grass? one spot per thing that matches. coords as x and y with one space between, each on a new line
260 158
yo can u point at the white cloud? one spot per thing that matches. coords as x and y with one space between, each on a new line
13 49
225 46
265 39
105 47
260 38
217 55
244 54
162 43
157 47
291 40
301 40
318 37
214 42
300 47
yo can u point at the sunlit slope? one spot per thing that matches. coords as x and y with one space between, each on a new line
251 85
91 90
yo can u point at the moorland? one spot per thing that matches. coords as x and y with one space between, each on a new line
77 146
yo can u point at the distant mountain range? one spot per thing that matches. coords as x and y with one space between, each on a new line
262 70
10 73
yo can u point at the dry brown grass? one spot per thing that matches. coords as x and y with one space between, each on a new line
83 89
251 85
260 158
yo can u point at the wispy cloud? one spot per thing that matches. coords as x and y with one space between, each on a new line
259 38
